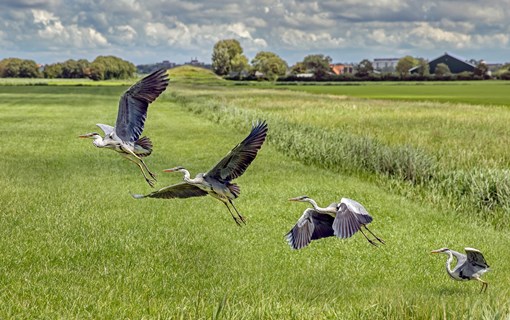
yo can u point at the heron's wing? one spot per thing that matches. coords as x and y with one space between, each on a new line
346 223
106 128
311 226
323 225
358 210
475 257
134 102
239 158
179 190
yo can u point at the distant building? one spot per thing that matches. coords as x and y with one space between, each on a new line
455 64
340 68
385 64
195 62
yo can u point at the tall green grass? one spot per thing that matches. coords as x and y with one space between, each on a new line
480 190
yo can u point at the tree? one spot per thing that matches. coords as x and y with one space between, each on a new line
318 64
442 70
423 67
239 63
52 71
299 67
405 64
481 69
270 64
19 68
364 68
228 56
111 67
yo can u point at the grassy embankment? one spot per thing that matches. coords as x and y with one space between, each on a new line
75 245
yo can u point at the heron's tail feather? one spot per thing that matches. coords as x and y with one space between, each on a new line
235 189
145 145
137 196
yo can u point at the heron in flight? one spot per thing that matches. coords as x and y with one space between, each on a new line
125 136
217 181
342 219
470 267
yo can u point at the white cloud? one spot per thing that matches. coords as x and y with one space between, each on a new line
306 40
193 36
124 33
428 35
56 34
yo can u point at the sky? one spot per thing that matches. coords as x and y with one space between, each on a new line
148 31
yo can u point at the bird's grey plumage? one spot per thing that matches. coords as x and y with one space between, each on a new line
106 128
125 136
241 156
358 210
134 103
345 224
468 267
342 219
217 181
311 226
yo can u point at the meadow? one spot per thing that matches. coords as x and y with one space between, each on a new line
74 244
469 92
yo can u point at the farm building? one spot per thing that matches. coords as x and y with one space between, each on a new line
385 64
455 64
340 68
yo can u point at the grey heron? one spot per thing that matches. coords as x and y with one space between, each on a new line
125 136
341 219
217 181
469 267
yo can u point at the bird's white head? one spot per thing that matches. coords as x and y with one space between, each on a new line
98 140
300 199
442 250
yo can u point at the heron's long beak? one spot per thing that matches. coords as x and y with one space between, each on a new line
169 170
294 199
435 251
83 136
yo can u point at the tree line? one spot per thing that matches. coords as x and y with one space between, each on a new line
229 61
102 68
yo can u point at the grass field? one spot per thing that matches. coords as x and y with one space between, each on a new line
74 243
469 92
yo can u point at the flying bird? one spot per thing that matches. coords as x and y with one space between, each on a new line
470 267
342 219
217 182
125 136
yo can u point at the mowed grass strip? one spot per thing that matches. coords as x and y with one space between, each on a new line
74 244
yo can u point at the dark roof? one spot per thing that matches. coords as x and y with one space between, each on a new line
459 62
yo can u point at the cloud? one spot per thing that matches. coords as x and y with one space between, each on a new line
160 28
51 29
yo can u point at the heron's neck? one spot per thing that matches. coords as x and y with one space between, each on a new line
187 176
98 141
315 206
448 262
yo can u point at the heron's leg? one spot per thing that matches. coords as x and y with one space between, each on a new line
147 168
378 239
233 217
484 285
149 181
238 214
141 161
371 242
